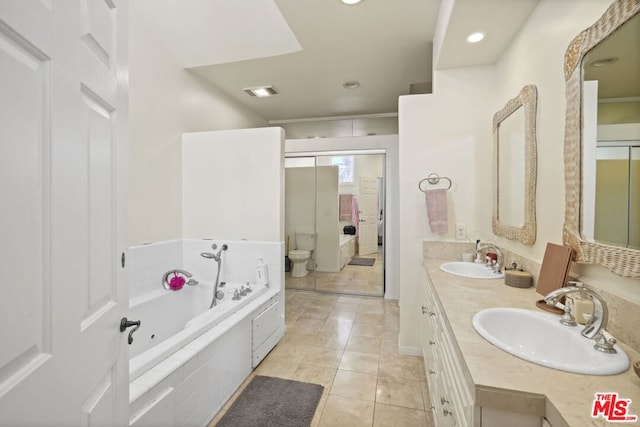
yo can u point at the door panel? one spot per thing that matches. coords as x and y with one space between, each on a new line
368 205
63 360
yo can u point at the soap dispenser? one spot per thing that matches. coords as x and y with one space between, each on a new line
262 273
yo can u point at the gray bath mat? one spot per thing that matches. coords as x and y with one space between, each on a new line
271 402
367 262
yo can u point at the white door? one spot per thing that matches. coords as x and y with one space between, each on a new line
368 216
63 124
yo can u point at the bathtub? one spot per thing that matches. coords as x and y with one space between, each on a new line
172 319
347 248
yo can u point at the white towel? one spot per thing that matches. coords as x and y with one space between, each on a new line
437 210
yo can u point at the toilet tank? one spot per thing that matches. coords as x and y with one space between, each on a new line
305 241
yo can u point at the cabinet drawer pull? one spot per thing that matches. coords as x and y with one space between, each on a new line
446 412
443 400
431 371
432 314
432 343
425 310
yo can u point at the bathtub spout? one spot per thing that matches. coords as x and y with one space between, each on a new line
218 259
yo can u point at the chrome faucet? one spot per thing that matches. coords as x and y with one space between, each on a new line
599 317
218 259
498 264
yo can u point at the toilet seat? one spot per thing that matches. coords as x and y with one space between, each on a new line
299 253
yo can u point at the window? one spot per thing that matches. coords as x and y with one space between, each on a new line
345 168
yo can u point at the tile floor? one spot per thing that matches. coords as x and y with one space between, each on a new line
352 279
349 345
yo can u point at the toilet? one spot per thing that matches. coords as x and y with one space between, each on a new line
305 243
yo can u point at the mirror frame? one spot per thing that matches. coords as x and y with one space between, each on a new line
621 261
526 234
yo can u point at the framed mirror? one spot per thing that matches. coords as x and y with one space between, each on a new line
514 168
622 260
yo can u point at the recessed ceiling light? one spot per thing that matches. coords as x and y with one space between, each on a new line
350 1
261 91
604 62
351 85
475 37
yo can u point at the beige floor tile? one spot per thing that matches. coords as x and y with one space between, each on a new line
401 392
337 325
366 363
308 323
276 368
366 329
370 318
346 412
396 416
294 353
355 385
336 340
327 357
364 344
409 367
315 374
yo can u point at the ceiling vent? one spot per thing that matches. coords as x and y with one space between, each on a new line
261 91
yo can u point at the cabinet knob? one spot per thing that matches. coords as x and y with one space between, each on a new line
443 400
431 313
446 412
431 371
425 310
432 343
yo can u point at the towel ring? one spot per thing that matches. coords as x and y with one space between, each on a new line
433 179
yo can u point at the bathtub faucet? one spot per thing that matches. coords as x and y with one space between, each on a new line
218 259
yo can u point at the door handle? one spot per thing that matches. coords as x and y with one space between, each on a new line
125 323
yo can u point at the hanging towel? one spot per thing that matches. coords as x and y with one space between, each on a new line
437 210
355 215
345 207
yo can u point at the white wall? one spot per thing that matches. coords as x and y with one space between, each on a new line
444 133
166 101
233 184
389 145
300 202
449 132
553 24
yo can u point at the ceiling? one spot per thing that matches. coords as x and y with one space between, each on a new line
307 49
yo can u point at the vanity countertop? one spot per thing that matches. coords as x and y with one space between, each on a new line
503 381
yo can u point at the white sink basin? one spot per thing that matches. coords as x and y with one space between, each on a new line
470 270
540 338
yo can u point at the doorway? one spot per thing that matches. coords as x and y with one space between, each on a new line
334 223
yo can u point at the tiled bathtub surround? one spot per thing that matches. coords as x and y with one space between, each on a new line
624 315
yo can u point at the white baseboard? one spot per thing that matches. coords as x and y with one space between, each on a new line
410 351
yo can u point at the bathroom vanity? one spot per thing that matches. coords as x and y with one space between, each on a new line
474 383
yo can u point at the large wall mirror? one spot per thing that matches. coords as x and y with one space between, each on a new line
514 166
602 174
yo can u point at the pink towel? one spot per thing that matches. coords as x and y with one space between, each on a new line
345 207
355 215
437 210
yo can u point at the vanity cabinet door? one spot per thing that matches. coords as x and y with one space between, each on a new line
450 394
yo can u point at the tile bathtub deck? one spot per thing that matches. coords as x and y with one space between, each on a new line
349 345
